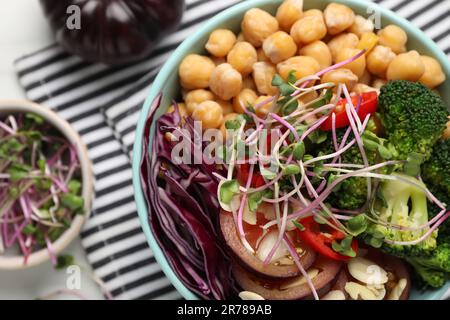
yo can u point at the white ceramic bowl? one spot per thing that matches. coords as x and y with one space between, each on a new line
14 262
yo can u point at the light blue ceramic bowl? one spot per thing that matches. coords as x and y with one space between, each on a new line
167 83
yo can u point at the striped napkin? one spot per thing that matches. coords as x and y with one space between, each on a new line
103 104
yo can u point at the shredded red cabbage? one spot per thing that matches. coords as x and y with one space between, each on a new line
184 211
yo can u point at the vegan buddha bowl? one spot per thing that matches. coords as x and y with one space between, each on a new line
298 150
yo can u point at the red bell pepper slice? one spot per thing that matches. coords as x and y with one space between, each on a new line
369 102
319 242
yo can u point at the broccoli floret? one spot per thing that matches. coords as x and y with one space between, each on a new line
400 203
413 117
427 277
433 210
350 194
433 269
436 171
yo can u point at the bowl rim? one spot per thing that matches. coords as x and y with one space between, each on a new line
41 256
173 62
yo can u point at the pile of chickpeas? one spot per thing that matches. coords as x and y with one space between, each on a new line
240 68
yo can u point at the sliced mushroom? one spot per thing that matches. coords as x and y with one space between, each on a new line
367 271
358 291
396 270
271 290
252 262
334 295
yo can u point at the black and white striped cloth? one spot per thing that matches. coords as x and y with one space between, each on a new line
103 105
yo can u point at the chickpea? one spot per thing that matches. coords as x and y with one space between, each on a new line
195 97
358 66
227 106
209 113
181 109
249 83
220 42
263 73
262 56
263 110
257 25
338 18
242 57
393 37
361 26
279 46
446 134
302 65
345 40
379 59
342 75
245 97
378 83
308 29
195 71
319 51
406 66
313 12
288 13
362 88
366 78
433 76
225 81
223 128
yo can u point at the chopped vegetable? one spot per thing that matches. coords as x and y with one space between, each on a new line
369 101
41 188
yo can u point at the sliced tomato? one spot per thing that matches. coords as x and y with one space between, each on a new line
321 243
243 173
369 102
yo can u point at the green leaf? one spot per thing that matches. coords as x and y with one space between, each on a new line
292 79
43 183
318 136
331 178
18 171
72 202
256 198
64 261
307 157
32 135
298 225
228 190
291 169
233 124
277 80
325 99
299 151
55 233
41 165
270 175
357 224
29 230
345 247
286 90
14 192
35 118
74 186
290 108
